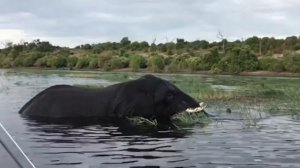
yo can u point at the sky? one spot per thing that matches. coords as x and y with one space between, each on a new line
74 22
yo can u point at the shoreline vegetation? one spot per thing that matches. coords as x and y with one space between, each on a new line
146 71
255 56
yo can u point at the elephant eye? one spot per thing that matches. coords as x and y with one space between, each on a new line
169 97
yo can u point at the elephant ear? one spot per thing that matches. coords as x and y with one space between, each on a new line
164 92
134 99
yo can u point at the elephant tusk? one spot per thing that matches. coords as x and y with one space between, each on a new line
201 108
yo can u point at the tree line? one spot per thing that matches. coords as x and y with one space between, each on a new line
252 54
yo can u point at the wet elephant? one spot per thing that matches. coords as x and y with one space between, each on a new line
149 96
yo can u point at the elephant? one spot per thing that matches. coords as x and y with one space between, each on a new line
148 96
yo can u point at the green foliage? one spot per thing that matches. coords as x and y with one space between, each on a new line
125 41
204 62
153 47
238 60
211 59
104 59
172 68
83 62
292 62
57 61
18 62
271 64
24 59
181 61
41 62
71 62
29 61
194 63
86 46
182 55
143 122
93 63
6 62
44 46
187 120
168 60
203 44
136 62
180 43
161 47
253 43
119 62
135 46
156 63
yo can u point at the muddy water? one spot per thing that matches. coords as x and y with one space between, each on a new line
273 142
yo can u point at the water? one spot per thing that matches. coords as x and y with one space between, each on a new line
273 142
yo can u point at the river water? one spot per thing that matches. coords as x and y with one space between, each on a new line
224 143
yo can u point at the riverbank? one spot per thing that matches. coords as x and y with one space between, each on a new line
183 72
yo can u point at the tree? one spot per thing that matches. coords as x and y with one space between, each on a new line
135 46
180 43
125 41
86 46
44 46
144 45
254 43
199 44
290 42
153 47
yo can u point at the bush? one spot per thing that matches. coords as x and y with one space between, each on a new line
271 64
41 62
30 58
172 68
168 60
119 62
292 62
6 62
93 63
238 60
170 52
136 62
83 62
57 61
29 61
104 59
194 63
71 62
209 60
156 63
18 62
181 61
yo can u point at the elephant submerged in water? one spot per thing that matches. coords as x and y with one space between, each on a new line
149 97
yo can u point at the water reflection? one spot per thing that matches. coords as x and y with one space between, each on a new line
116 142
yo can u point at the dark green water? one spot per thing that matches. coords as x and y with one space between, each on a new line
261 131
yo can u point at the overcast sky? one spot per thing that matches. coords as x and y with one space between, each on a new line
73 22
